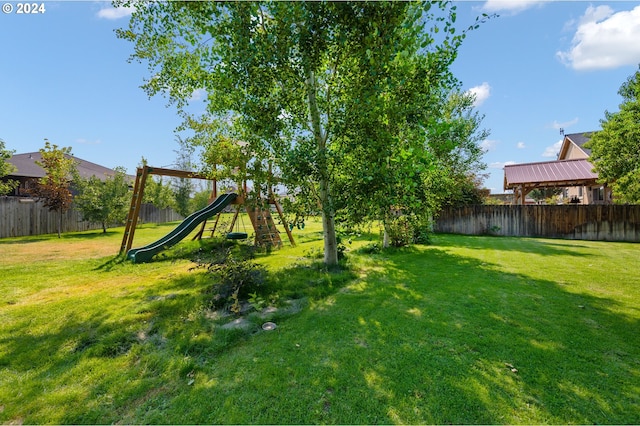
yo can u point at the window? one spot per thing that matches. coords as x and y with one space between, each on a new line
598 194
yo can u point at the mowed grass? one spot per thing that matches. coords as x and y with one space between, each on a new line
465 330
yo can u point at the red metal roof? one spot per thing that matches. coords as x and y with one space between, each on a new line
550 174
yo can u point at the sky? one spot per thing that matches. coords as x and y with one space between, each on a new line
535 68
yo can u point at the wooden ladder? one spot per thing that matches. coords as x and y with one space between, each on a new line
265 227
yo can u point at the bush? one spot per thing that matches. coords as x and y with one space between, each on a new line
234 281
233 274
409 229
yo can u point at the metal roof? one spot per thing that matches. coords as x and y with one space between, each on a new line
27 167
561 173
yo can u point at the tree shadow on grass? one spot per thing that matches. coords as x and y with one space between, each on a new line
493 347
516 244
407 344
424 336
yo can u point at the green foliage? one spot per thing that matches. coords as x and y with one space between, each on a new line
103 201
234 276
54 187
615 150
199 200
182 187
339 96
6 168
546 194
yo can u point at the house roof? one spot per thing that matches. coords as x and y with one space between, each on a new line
578 139
26 166
576 172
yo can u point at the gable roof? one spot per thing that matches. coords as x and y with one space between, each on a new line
578 139
27 168
549 174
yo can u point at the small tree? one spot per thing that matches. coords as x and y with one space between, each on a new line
615 150
183 187
103 202
6 168
156 192
54 188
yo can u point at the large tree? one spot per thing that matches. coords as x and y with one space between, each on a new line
103 201
54 187
323 89
615 150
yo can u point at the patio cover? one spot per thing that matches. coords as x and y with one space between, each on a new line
523 178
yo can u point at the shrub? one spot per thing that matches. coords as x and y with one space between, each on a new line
234 281
233 274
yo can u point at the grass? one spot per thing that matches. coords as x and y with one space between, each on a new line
466 330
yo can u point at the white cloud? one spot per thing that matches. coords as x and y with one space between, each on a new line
488 145
558 126
510 6
500 164
198 95
480 93
604 39
553 150
521 145
115 13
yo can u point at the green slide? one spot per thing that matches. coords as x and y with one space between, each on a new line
144 254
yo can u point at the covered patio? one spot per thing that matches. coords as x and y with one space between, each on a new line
524 178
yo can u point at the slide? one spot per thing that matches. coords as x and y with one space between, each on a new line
144 254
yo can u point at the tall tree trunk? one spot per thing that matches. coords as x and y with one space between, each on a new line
59 223
385 235
328 213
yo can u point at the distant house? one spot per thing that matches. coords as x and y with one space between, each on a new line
28 172
592 192
572 172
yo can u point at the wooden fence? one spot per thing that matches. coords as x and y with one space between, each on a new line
580 222
26 216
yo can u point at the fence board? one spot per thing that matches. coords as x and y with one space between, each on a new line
25 216
604 222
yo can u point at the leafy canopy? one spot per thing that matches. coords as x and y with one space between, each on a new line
615 150
54 187
6 168
103 201
339 97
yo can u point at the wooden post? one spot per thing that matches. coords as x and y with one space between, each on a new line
284 222
134 210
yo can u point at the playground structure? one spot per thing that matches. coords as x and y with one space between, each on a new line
259 213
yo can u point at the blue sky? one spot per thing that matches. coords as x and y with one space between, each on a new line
538 67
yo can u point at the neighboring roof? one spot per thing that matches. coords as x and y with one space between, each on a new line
27 167
578 139
561 173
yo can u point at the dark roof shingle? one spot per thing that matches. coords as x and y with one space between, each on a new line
27 167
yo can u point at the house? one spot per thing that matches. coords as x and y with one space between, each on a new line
28 171
593 193
572 172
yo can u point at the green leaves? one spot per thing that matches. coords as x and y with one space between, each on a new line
103 201
337 95
615 150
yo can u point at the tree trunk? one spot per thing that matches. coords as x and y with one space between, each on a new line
385 235
104 228
328 213
59 223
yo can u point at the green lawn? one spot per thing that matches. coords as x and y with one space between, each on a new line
466 330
